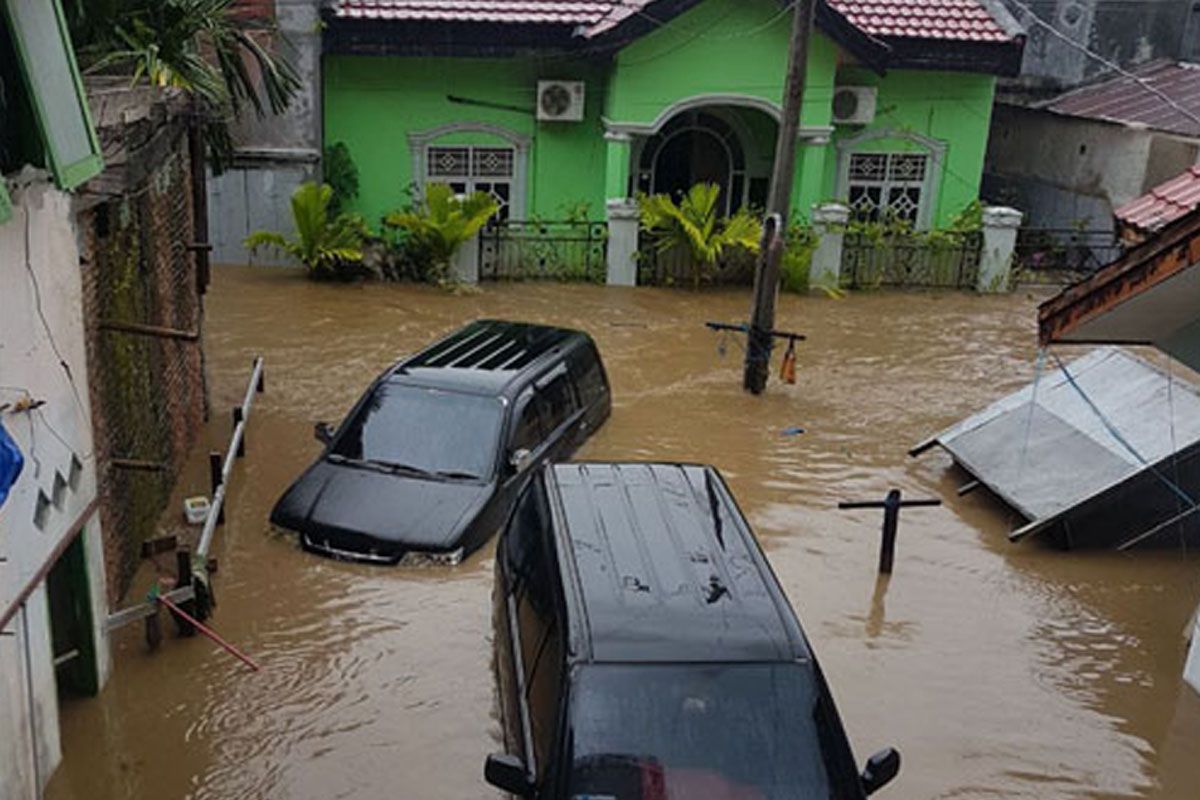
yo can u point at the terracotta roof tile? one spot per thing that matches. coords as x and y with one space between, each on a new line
951 20
521 12
1164 203
1126 100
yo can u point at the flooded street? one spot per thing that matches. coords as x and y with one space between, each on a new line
998 670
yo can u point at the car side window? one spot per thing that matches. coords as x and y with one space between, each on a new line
587 373
557 402
544 689
527 432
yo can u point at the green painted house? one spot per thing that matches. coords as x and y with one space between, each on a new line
562 108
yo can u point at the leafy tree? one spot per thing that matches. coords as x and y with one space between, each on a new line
206 47
341 173
440 224
330 246
695 227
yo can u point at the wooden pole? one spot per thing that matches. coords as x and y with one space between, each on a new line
183 577
891 519
766 278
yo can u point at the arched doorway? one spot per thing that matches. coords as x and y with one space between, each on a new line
698 146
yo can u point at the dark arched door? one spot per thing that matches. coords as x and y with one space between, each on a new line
691 157
694 148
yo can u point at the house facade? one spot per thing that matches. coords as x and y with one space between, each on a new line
574 110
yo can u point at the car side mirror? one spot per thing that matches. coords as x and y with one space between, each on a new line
520 460
323 433
880 770
508 774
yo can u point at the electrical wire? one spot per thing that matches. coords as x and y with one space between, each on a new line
1112 65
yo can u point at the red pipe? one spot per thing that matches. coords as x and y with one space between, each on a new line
211 634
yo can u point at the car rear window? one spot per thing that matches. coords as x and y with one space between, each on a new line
425 429
679 732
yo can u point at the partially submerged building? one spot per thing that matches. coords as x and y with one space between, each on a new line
1149 296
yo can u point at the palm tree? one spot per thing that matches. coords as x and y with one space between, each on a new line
202 46
325 245
694 226
443 222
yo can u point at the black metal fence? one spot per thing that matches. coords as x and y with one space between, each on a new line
676 267
1066 250
908 261
543 250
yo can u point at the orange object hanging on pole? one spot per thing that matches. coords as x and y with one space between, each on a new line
787 370
210 633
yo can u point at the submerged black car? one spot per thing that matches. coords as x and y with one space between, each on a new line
429 462
645 650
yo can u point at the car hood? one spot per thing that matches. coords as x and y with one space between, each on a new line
355 509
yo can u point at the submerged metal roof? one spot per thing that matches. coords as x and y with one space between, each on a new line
1044 450
1128 100
668 569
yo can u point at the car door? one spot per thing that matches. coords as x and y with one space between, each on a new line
560 414
534 626
591 388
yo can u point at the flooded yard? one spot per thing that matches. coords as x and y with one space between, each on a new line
998 670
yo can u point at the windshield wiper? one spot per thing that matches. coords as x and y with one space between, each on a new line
457 475
390 467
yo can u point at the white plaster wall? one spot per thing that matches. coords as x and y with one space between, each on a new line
38 249
1095 159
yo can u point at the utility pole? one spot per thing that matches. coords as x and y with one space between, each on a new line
766 279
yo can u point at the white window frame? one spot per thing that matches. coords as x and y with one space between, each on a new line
934 149
420 142
474 177
890 179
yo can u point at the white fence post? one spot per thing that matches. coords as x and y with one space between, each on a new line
464 267
1000 225
623 220
829 223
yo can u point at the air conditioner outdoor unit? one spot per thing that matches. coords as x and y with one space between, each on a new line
560 101
853 105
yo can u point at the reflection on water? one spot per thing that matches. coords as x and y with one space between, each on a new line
998 670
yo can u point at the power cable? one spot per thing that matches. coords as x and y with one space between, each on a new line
1117 68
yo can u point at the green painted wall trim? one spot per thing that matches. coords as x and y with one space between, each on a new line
5 203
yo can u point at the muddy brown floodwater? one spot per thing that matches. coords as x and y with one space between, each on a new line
998 670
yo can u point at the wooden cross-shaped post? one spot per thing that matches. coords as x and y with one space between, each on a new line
891 506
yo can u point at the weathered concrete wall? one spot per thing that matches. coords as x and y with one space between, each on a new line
275 153
1066 171
42 355
1123 32
148 389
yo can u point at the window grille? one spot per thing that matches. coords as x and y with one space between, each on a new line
888 185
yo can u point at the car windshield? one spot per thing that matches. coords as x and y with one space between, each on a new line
425 430
705 732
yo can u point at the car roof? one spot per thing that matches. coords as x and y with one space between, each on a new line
661 566
486 356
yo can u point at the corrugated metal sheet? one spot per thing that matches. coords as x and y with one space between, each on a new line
1164 203
947 20
1046 454
1122 99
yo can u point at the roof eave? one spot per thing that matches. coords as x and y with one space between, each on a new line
1174 249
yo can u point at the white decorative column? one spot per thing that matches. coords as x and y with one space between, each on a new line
1000 225
623 222
464 267
622 212
829 223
